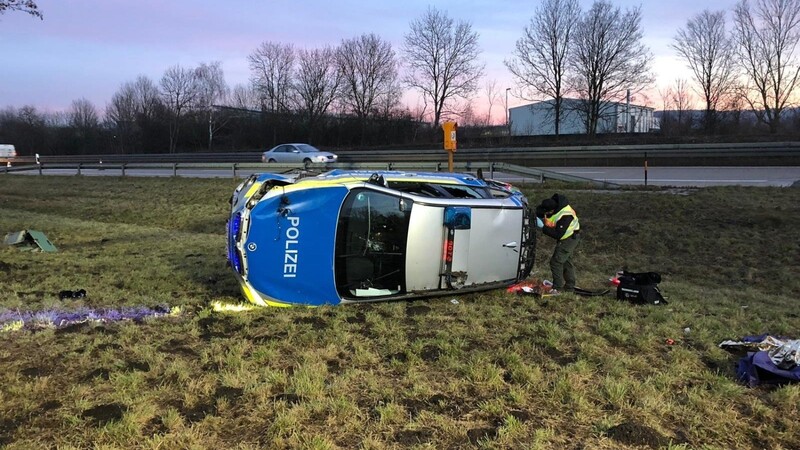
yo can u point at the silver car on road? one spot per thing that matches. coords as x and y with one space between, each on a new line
297 153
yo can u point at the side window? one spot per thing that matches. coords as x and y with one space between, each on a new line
281 149
371 239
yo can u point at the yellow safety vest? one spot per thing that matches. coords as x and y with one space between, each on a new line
573 226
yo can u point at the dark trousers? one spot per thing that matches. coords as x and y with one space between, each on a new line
561 263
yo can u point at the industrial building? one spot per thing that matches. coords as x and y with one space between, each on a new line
616 117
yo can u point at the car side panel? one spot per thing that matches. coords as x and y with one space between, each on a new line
487 252
491 258
424 248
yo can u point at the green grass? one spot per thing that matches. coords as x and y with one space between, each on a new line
491 371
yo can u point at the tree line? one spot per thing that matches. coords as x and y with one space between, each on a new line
598 57
350 94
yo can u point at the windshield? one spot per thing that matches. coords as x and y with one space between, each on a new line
305 148
371 244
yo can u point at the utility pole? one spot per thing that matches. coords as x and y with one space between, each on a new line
508 115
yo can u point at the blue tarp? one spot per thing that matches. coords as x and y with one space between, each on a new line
774 360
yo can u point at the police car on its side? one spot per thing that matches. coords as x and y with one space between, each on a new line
349 236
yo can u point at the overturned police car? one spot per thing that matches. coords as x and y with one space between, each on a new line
349 236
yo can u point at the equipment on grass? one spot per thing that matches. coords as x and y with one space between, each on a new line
639 287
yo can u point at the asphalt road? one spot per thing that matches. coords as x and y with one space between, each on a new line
656 176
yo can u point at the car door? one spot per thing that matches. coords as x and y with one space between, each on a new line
292 154
484 251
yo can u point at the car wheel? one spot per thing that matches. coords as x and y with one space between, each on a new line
272 160
306 161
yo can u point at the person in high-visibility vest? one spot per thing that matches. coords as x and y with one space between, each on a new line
558 220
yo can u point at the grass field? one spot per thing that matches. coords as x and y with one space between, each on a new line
492 370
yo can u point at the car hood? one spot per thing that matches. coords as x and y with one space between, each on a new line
289 249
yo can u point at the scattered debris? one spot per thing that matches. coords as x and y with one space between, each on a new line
33 320
80 293
30 240
769 359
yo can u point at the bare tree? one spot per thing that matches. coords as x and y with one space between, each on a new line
146 98
179 88
82 119
211 91
609 59
26 6
82 115
492 96
766 39
541 55
677 104
707 50
271 65
442 58
369 73
317 83
243 97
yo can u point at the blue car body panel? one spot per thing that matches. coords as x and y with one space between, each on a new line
294 259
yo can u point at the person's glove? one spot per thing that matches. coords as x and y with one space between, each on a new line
539 223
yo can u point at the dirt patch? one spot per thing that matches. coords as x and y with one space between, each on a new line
522 416
6 267
360 317
34 372
103 414
431 353
7 430
399 357
476 435
101 329
155 426
270 337
292 399
418 310
231 394
414 406
175 347
334 366
137 366
316 323
49 405
212 327
630 433
81 327
408 438
560 357
198 412
101 373
109 346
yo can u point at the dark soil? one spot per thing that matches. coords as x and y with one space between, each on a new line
630 433
103 414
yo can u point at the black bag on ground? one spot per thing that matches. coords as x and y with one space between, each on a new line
641 288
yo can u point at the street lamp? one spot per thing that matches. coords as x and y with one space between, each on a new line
508 113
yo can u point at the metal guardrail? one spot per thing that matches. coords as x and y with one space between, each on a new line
244 169
524 155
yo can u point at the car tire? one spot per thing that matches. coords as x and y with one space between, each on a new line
271 160
306 161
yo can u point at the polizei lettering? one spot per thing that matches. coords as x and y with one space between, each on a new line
290 253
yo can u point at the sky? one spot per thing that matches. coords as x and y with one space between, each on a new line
89 48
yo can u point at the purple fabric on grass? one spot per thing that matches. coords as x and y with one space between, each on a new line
757 368
55 318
